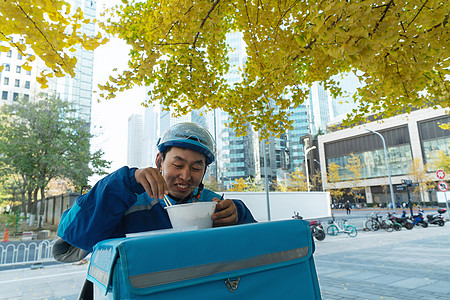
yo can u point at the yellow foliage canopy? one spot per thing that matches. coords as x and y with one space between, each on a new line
50 29
399 50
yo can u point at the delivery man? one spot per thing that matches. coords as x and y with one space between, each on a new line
131 200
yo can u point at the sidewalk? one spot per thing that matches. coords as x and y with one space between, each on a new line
62 281
409 264
403 265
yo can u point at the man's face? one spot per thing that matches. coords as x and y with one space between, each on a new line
183 171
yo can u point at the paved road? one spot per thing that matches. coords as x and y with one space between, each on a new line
409 264
51 282
404 265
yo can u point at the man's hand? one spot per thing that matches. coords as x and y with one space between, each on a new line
152 181
226 213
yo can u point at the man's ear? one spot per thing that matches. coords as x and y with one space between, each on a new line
158 161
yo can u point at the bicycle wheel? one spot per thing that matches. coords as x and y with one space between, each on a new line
373 225
397 226
369 224
387 225
351 231
332 230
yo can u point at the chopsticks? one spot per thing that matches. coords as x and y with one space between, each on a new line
167 201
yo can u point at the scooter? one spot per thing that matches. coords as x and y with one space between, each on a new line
404 221
316 227
399 222
419 219
437 219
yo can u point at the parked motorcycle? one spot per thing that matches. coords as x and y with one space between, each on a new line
419 219
404 221
316 227
437 219
317 230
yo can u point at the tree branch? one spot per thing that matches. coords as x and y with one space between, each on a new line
204 21
45 37
12 42
388 5
420 9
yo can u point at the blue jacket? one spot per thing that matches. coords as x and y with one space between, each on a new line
118 205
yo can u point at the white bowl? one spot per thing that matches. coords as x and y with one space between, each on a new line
196 214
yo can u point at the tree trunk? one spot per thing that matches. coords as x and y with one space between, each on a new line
30 201
24 203
41 210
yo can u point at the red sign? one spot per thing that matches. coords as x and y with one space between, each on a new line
440 174
442 186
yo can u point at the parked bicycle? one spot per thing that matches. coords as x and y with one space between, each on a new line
376 222
333 229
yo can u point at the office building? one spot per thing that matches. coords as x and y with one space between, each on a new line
415 137
135 143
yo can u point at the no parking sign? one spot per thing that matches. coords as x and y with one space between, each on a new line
442 186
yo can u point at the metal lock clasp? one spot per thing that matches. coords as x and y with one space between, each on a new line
232 283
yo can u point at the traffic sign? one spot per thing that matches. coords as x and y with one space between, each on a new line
406 181
440 174
400 188
442 186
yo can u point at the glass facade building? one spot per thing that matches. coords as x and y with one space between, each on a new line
413 142
434 139
369 149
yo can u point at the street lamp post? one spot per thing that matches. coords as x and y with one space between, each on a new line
266 181
387 167
306 165
318 162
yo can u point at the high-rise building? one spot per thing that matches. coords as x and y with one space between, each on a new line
16 83
150 137
239 155
301 128
344 104
142 138
135 141
320 108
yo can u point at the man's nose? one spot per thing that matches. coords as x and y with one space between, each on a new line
185 174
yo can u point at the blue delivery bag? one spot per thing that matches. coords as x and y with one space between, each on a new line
271 260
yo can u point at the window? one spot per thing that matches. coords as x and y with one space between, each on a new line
15 96
28 73
17 83
9 53
19 56
26 97
7 67
18 69
6 81
27 84
4 95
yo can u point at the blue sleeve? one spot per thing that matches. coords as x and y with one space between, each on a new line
96 215
244 214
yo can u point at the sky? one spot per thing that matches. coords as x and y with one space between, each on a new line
109 118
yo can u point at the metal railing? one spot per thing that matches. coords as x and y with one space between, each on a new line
32 252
